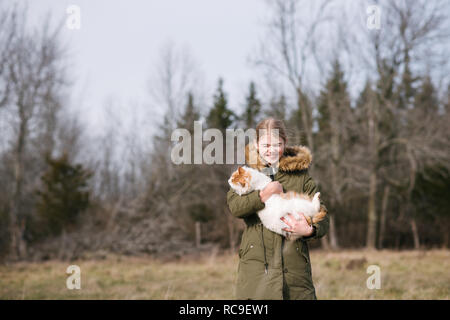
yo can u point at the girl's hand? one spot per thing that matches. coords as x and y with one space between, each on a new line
297 228
272 188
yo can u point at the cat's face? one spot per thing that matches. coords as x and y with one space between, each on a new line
240 181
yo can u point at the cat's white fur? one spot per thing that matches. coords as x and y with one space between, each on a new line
276 207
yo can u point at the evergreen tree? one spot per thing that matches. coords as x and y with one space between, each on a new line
64 195
385 85
333 104
186 121
277 108
447 102
252 108
162 146
431 198
367 95
295 121
333 140
189 115
220 116
426 98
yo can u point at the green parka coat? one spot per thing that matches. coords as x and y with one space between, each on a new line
288 273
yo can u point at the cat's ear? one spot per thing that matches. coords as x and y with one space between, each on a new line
241 170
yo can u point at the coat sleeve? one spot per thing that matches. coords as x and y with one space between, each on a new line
245 205
321 227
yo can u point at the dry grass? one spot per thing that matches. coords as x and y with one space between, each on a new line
337 275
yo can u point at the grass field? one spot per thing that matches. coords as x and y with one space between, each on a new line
337 275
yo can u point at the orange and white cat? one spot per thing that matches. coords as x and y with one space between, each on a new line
245 180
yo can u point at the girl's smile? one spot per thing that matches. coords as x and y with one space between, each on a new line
270 147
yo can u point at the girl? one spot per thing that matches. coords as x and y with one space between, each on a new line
270 267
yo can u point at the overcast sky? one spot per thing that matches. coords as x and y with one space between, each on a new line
119 43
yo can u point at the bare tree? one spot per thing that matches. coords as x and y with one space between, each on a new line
176 77
8 31
289 50
289 46
34 73
406 46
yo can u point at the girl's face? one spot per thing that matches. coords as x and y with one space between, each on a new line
271 148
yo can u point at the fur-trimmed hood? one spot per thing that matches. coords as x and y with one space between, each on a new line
294 158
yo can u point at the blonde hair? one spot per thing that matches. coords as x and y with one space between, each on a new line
271 124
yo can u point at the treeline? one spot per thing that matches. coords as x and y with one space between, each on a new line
380 152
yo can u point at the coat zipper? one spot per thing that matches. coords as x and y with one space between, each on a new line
266 265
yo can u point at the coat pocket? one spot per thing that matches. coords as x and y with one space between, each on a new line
303 255
251 248
247 244
244 243
245 248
